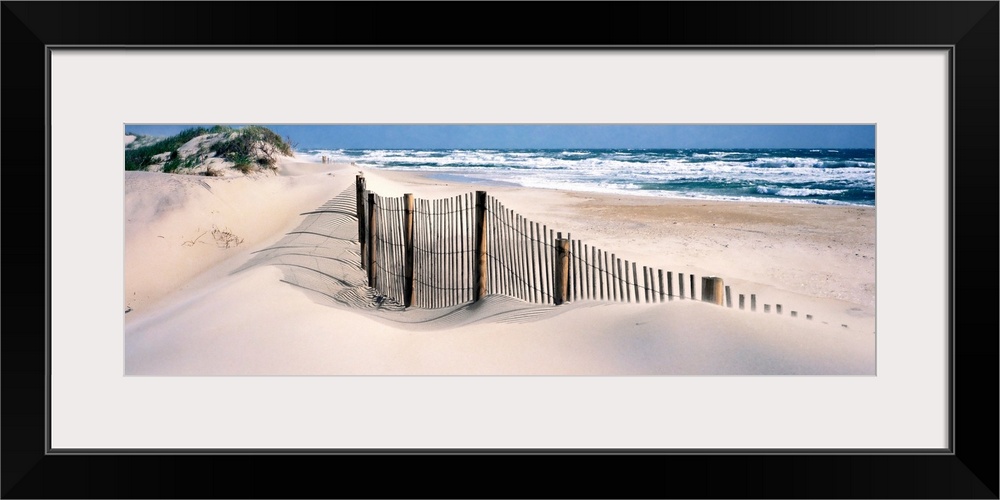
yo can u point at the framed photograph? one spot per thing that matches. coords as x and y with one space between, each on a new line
205 377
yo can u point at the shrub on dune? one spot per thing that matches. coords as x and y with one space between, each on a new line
249 149
252 147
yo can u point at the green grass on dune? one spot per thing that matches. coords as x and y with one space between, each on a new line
249 148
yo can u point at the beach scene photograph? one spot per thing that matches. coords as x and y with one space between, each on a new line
499 249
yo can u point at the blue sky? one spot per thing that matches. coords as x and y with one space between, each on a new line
560 136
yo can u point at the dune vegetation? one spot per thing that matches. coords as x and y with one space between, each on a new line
208 151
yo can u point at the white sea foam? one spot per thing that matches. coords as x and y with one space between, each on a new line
787 191
715 174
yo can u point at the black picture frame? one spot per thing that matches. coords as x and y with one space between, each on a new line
968 470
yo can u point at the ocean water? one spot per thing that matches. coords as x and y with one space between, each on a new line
820 176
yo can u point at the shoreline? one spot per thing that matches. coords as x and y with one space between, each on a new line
471 179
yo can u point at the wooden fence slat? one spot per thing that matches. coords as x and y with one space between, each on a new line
598 274
548 237
515 248
397 220
517 272
529 245
389 286
542 267
635 281
472 245
421 259
501 276
438 267
514 272
712 290
692 286
645 282
460 222
502 248
522 244
440 282
448 251
442 278
456 275
628 287
517 268
372 239
481 276
490 251
501 262
621 283
652 285
680 285
359 199
408 251
609 274
389 260
385 280
551 252
467 246
547 252
654 291
426 245
439 257
602 260
456 216
459 257
382 249
400 270
541 262
574 256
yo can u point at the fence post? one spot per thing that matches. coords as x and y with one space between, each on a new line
645 282
479 275
560 285
753 302
372 228
680 283
711 289
408 250
359 183
729 297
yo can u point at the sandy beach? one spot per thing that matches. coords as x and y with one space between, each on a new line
198 305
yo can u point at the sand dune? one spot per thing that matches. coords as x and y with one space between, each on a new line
200 308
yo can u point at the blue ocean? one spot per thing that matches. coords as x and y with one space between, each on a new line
820 176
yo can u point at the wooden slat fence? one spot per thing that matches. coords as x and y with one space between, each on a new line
445 252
